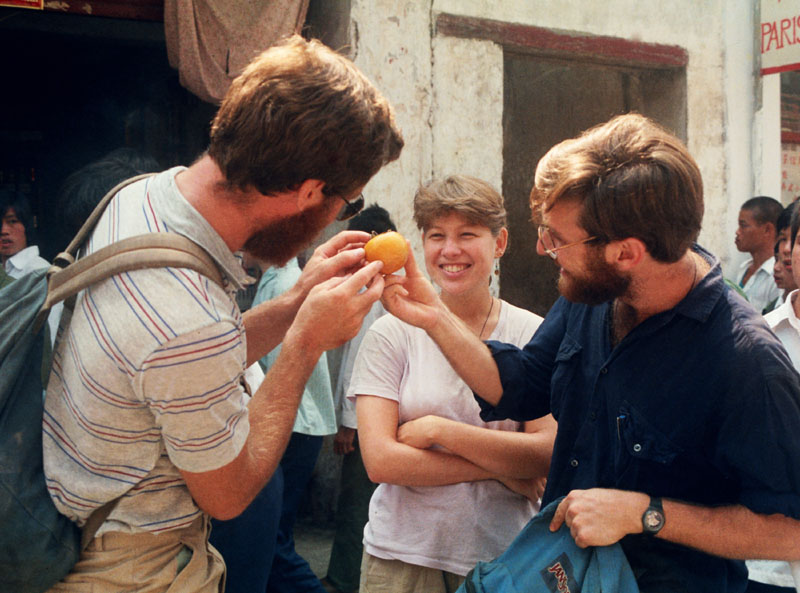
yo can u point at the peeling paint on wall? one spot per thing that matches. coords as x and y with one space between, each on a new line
447 92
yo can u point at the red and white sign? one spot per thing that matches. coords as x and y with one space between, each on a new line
780 36
37 4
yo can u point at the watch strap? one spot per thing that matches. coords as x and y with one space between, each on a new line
657 504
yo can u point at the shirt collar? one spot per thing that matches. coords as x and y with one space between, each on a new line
22 259
767 266
184 219
702 299
784 314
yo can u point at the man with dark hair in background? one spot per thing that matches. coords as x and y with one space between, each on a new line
83 189
19 253
782 269
756 235
147 405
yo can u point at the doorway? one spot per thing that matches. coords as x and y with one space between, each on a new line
547 100
79 87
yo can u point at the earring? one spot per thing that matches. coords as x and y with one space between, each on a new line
496 271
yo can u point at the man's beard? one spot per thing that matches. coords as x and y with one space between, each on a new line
280 241
599 283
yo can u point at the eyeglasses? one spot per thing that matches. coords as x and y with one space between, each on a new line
350 209
549 244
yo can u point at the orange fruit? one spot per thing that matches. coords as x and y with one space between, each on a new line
389 247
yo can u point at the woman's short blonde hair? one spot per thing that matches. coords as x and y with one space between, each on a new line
472 198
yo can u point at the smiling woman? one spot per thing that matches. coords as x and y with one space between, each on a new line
420 432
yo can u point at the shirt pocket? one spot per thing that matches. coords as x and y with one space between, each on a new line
566 365
643 454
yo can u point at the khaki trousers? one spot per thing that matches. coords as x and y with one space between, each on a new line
179 561
394 576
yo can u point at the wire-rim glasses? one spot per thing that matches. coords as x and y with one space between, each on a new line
549 244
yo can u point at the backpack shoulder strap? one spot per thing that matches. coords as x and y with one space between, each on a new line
67 277
151 250
71 251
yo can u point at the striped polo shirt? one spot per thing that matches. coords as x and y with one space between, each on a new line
146 378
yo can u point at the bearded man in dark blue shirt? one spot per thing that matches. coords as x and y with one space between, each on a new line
678 411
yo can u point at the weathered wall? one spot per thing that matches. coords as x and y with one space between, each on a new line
448 92
393 47
448 96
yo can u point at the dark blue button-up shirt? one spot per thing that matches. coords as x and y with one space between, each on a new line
699 403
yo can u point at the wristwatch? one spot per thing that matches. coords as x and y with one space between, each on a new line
653 518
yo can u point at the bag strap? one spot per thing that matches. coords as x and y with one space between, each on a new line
95 520
67 277
88 226
151 250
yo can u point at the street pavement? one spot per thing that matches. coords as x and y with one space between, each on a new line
314 544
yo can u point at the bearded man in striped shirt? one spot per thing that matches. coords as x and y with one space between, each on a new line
146 403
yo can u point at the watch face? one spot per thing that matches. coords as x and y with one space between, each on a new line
653 520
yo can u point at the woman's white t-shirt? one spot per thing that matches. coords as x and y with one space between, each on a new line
442 527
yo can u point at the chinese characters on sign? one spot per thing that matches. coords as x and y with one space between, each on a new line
790 172
790 139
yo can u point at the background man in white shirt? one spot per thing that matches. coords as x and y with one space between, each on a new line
17 252
756 235
16 235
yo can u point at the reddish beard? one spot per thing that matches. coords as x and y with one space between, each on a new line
599 283
280 241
